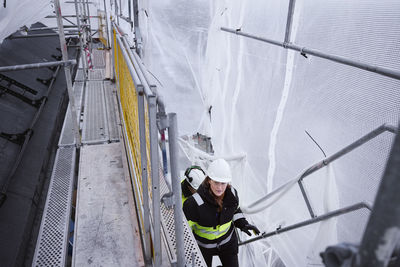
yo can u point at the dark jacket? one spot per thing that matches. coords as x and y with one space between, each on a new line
206 215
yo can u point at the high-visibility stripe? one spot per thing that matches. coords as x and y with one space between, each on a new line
233 191
238 216
210 233
198 199
215 245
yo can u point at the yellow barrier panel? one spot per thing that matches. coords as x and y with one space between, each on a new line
129 103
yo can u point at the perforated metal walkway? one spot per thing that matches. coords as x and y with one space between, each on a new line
106 231
95 101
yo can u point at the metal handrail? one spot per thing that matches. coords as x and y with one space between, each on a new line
38 65
374 133
392 73
323 217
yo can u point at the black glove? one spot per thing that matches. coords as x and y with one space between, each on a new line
248 227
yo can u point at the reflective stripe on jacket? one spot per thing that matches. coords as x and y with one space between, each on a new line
210 233
212 228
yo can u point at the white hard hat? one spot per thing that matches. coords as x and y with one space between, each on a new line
220 171
195 177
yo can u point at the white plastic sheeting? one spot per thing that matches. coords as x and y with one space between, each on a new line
22 13
257 100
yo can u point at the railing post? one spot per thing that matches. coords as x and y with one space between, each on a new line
67 70
155 177
289 21
306 198
144 173
81 37
107 26
176 188
90 24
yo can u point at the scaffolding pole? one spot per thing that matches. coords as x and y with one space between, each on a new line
392 73
145 176
75 126
40 35
323 163
89 30
155 179
176 188
37 65
331 214
83 58
289 20
107 26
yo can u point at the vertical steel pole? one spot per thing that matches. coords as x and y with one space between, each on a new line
108 29
145 184
90 25
382 233
306 198
155 177
289 20
164 152
78 21
135 13
67 69
116 11
86 19
130 10
137 30
176 188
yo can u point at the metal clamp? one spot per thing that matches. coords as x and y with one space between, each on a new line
168 200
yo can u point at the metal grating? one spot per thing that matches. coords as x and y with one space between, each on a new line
110 111
96 74
95 128
51 246
67 136
192 250
98 59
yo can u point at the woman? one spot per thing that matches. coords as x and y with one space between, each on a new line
213 212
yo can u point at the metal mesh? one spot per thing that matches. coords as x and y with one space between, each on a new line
99 59
96 74
192 251
94 119
51 247
67 136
